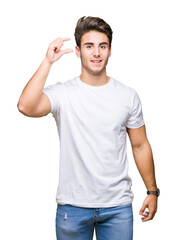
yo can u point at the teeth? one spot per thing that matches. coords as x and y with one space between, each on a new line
96 61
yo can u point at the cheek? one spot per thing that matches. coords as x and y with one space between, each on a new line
107 55
86 55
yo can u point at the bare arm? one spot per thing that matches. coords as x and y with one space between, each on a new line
33 102
142 153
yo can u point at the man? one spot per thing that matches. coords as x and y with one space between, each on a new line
93 113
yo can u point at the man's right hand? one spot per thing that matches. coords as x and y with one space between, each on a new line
33 102
54 51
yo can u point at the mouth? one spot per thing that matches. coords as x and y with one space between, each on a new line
96 61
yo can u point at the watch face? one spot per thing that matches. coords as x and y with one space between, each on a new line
158 192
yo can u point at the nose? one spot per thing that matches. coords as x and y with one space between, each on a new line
96 52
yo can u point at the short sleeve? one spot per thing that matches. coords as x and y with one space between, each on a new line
54 94
135 119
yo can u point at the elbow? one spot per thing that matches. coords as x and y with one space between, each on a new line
22 108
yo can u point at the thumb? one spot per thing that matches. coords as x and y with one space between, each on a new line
142 209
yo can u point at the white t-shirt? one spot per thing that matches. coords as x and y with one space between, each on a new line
92 122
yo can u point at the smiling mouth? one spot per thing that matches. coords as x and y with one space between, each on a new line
96 61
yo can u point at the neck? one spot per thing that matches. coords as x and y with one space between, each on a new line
93 79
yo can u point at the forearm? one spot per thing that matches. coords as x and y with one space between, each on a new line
144 160
32 92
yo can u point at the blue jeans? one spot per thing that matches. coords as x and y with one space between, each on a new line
77 223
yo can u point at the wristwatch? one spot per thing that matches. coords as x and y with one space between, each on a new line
156 193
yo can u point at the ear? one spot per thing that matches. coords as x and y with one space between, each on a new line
110 52
77 51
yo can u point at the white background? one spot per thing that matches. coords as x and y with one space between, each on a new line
144 57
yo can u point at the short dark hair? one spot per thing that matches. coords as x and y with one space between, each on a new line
86 24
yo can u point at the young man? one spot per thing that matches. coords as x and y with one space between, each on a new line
93 113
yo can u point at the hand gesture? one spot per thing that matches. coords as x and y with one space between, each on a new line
54 51
150 202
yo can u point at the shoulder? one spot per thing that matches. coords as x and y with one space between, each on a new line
124 89
60 86
70 83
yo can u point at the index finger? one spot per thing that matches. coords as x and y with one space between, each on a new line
66 39
150 216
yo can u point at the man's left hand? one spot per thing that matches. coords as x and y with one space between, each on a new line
150 202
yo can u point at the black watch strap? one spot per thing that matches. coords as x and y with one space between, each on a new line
156 193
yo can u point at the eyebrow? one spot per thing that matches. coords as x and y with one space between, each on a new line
91 43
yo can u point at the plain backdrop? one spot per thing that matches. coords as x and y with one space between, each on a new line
144 57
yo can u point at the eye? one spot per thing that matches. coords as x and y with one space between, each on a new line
103 46
88 46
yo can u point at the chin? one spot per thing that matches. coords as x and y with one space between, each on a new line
94 71
97 72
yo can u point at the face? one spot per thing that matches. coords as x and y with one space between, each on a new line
94 52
